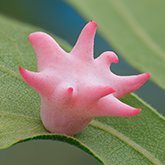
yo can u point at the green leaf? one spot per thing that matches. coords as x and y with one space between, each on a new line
111 140
135 29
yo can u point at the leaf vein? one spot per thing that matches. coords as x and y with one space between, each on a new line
139 31
18 54
10 73
126 140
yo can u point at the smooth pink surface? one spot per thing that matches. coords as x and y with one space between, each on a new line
74 87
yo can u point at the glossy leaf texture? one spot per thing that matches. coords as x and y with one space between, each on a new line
112 140
135 29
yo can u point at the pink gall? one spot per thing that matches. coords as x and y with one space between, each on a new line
74 87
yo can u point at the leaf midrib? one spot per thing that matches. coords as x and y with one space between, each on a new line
17 116
126 140
21 131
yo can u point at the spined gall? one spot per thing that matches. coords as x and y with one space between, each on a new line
74 87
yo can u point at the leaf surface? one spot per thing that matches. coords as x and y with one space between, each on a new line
135 29
111 140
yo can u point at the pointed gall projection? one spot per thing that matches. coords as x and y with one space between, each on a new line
84 46
74 87
32 78
106 58
46 48
68 95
